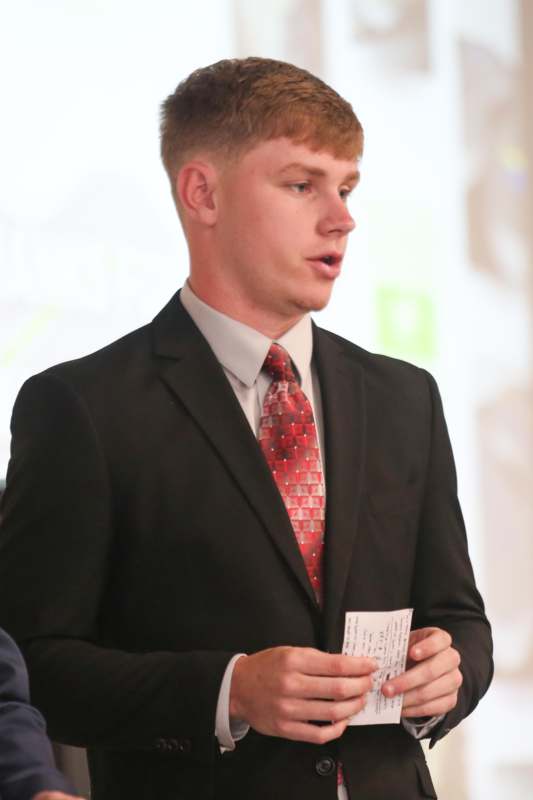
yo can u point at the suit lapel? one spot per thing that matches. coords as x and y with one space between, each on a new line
342 391
190 369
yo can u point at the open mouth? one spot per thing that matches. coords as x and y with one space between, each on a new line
330 259
328 264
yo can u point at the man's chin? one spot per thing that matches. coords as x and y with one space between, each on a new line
316 301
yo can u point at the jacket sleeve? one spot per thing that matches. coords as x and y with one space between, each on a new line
26 761
56 542
445 593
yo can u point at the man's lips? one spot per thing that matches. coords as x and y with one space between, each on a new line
330 258
328 264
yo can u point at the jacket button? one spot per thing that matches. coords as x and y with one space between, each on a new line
181 745
325 766
161 744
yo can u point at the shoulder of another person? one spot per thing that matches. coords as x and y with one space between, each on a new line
13 676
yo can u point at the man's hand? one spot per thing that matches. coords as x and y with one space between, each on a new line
432 679
55 796
283 690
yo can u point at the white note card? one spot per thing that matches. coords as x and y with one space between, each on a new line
383 635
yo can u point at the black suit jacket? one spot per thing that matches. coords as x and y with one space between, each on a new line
144 522
26 761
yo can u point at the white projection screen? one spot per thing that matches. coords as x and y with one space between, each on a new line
438 270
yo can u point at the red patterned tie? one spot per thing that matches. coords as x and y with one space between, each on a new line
288 438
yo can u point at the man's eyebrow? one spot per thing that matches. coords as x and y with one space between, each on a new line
316 171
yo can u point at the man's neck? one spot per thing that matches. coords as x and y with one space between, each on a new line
271 325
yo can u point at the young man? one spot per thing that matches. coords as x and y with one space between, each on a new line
194 508
26 762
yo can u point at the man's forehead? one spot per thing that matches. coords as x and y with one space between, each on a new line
284 156
352 173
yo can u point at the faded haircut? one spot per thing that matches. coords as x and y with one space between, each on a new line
227 108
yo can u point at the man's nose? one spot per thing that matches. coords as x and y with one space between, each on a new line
336 219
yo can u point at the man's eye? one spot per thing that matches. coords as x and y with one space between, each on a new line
345 193
301 187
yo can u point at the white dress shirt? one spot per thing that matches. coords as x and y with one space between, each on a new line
241 351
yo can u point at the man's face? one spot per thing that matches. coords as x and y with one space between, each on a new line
282 227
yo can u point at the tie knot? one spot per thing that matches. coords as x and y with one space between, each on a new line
278 364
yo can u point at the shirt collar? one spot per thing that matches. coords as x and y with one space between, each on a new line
242 350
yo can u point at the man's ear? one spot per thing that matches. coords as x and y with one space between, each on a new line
195 188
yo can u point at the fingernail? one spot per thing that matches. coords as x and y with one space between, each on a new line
417 652
388 689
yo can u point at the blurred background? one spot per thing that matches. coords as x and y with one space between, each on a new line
438 272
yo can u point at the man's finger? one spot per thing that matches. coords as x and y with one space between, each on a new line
440 705
447 684
321 688
55 796
429 645
313 734
321 710
314 662
426 672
